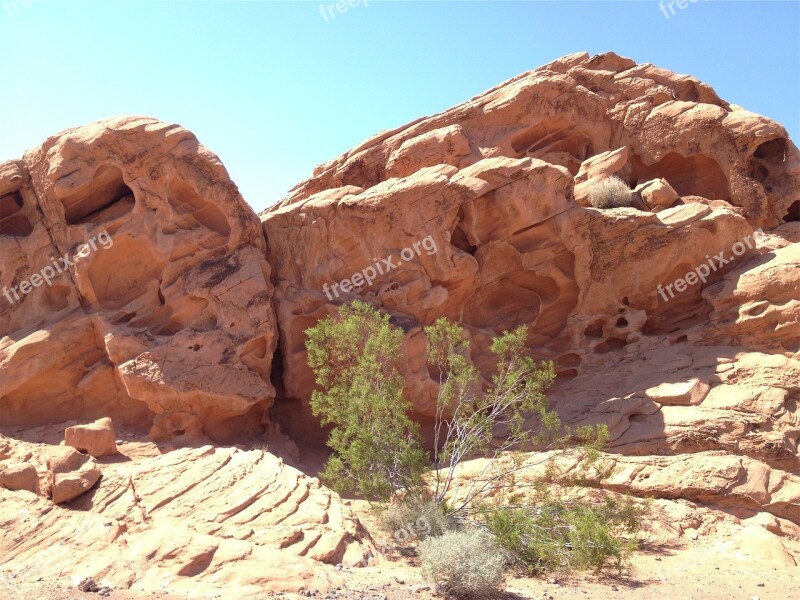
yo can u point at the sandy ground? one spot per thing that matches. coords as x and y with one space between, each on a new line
695 573
703 569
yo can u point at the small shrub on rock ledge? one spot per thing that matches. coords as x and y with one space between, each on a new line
610 192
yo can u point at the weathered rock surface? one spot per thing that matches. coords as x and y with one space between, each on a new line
167 306
218 518
19 476
578 107
689 370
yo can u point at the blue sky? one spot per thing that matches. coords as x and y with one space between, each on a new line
274 89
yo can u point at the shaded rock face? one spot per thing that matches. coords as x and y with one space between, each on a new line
163 303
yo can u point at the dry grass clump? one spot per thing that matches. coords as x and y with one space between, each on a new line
463 564
610 192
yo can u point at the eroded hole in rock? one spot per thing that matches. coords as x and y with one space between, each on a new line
792 346
662 324
360 173
504 303
254 357
622 322
56 297
610 345
185 312
459 239
569 360
115 287
758 172
193 212
13 221
793 214
768 166
567 374
655 325
546 138
681 339
772 151
696 175
106 197
594 331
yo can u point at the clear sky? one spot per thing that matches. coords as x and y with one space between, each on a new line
274 88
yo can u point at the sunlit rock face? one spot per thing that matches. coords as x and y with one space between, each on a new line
674 321
137 285
153 295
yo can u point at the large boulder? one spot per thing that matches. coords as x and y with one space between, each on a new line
96 439
134 284
657 194
675 323
70 473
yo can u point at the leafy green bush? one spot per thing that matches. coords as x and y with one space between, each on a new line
377 449
560 536
463 564
610 192
417 518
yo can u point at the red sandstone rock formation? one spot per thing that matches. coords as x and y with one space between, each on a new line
95 439
198 519
499 184
169 321
167 307
708 374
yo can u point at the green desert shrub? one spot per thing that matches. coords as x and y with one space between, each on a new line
562 536
417 518
376 446
463 564
610 192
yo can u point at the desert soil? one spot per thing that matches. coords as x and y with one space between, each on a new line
716 567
